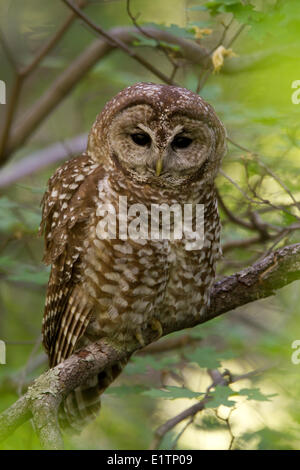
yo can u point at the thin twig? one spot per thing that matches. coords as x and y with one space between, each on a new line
8 52
10 113
150 36
25 369
99 49
45 49
21 73
227 422
237 186
189 422
243 243
231 216
267 169
41 158
236 35
223 36
206 73
218 379
118 43
202 80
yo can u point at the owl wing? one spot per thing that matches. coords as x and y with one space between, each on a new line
67 208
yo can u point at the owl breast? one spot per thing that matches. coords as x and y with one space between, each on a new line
135 281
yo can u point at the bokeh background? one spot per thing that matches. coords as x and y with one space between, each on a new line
259 190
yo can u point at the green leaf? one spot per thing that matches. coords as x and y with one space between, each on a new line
256 394
271 439
144 41
208 357
253 167
172 393
220 6
288 219
220 397
172 29
210 422
140 365
246 14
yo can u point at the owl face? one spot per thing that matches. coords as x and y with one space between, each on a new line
163 135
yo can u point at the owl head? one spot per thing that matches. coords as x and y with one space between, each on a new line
159 134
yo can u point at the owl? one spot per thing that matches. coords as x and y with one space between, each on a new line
152 144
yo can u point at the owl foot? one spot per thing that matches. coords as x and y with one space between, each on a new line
140 338
156 326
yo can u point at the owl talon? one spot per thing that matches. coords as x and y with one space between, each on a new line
156 326
140 338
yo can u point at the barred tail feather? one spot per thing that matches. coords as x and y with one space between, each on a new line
83 404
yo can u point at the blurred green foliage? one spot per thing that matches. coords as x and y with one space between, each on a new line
255 104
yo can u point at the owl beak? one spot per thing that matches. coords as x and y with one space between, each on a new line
159 167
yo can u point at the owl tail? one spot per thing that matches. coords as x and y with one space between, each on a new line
83 404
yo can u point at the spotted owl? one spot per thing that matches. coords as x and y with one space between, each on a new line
153 144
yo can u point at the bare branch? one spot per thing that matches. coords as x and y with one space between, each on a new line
267 169
8 53
64 84
119 43
42 158
243 243
45 49
187 413
149 35
10 113
21 73
236 35
231 216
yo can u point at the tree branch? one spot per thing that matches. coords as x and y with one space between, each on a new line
42 158
44 397
21 73
118 43
218 379
64 84
100 48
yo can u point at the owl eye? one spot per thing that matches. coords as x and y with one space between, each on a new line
141 139
181 142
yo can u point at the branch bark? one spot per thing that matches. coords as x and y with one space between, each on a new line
44 397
